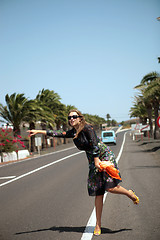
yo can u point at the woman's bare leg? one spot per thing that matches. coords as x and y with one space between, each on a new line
121 190
99 207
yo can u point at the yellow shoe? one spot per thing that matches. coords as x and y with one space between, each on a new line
97 233
136 201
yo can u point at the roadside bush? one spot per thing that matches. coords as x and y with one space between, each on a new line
9 143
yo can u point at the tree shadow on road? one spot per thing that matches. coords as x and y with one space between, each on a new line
81 229
154 149
151 146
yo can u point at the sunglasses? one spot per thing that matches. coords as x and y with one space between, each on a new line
74 117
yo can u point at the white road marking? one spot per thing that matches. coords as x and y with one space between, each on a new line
29 159
88 233
38 169
9 177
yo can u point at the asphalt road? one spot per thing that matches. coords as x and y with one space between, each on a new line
46 197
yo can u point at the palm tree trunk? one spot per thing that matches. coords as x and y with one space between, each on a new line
33 147
1 154
65 129
16 131
144 122
149 112
58 124
156 129
44 137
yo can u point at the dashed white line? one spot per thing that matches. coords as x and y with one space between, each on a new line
8 177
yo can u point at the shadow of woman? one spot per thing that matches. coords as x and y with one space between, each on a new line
54 228
81 229
109 231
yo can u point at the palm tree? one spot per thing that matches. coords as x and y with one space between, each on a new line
108 117
37 112
61 116
143 109
15 111
153 92
139 110
50 99
149 87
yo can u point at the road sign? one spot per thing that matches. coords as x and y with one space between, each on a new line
38 141
158 122
145 128
140 127
137 126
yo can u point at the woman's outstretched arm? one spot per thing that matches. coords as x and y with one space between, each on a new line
34 132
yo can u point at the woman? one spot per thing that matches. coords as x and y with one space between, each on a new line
99 182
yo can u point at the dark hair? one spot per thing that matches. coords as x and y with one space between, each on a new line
82 122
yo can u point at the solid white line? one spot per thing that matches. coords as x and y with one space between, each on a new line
120 152
38 169
32 158
9 177
88 233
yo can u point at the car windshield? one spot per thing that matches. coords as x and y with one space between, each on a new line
108 134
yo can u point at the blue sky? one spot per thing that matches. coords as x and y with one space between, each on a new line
91 52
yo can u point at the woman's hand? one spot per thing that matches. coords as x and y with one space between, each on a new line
96 162
34 132
108 163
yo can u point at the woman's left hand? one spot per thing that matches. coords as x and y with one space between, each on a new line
108 163
34 132
96 163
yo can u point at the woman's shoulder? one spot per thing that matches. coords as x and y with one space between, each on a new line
71 131
87 127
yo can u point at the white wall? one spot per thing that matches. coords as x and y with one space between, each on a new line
13 156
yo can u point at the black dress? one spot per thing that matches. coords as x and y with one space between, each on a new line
87 140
